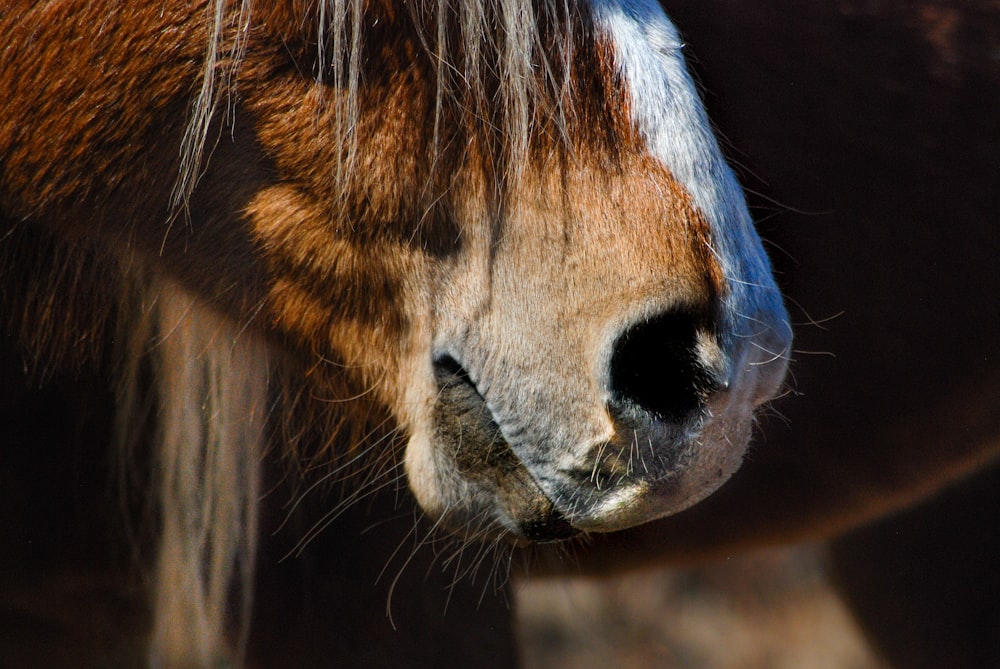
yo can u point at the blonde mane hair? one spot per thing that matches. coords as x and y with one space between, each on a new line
508 55
212 400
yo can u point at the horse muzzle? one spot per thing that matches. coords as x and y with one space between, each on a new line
668 426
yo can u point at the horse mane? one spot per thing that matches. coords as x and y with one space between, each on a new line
514 56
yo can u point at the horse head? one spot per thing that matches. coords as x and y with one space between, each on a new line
494 244
547 273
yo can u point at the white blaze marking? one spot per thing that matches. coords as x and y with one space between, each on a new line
669 116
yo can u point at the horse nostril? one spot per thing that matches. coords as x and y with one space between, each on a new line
657 365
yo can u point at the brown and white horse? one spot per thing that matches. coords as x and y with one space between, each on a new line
491 244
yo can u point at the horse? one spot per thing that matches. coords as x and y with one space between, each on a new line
867 136
287 255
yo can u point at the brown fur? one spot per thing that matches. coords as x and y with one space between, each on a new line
89 161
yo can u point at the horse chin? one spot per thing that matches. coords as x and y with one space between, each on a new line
466 476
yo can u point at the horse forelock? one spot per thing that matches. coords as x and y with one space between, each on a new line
516 70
